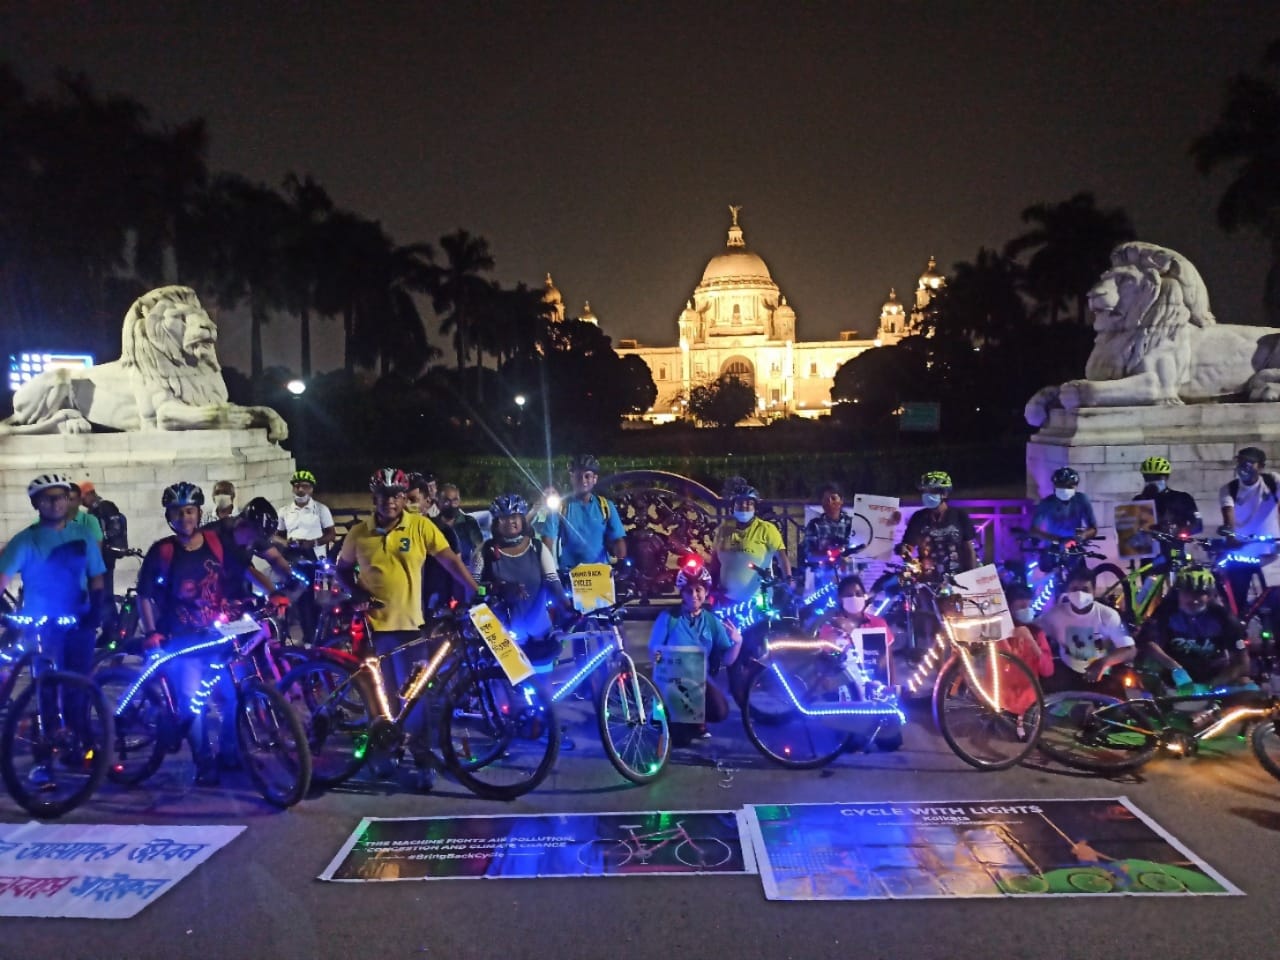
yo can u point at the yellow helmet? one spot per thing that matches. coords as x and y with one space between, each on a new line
1159 466
1196 579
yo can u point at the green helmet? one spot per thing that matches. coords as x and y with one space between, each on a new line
1158 466
304 476
1196 579
935 480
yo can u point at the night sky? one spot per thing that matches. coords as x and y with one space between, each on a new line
603 142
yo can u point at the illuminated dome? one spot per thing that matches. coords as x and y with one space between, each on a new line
549 292
931 278
737 264
892 306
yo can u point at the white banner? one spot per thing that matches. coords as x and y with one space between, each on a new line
983 585
882 514
97 871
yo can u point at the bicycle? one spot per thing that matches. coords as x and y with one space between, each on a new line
150 723
630 712
1058 558
698 852
1138 595
499 738
56 743
1258 608
987 703
1105 734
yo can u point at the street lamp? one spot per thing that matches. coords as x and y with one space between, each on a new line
520 400
296 387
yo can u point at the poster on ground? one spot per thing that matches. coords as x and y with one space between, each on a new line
553 845
98 871
680 674
1132 522
1026 848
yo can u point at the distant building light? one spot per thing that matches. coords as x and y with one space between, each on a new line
24 366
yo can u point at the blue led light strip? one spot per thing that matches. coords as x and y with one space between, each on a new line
842 711
159 662
571 684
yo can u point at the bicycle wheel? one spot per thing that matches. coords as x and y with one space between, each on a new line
703 852
605 854
56 744
784 719
333 706
499 740
1093 731
1265 740
637 748
1110 581
1116 594
138 747
273 743
970 707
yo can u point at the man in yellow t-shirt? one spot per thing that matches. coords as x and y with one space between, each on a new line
383 555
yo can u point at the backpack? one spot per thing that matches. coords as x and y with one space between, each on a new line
604 507
1269 479
169 544
491 554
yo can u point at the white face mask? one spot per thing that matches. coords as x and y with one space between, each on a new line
931 500
222 500
1063 493
743 516
853 605
1023 615
1080 599
1160 485
301 501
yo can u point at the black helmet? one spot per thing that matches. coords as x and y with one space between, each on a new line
584 463
261 515
1065 477
182 494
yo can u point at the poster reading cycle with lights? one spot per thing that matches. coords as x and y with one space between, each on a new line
561 845
98 871
905 851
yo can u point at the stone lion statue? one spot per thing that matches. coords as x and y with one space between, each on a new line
1157 342
167 378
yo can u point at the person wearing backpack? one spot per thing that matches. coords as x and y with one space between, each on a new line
1249 509
587 528
183 587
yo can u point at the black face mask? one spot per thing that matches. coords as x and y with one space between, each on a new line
449 512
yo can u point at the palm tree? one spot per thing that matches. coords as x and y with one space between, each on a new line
306 252
981 301
1070 246
457 291
1247 137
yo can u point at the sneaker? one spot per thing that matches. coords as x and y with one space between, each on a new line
41 777
420 779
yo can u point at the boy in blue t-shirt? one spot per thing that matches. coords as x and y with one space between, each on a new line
587 528
62 575
694 626
1067 513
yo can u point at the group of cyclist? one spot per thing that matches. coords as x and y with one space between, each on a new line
417 551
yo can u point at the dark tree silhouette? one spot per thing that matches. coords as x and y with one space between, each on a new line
724 402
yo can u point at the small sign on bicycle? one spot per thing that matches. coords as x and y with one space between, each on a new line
592 586
1132 521
510 657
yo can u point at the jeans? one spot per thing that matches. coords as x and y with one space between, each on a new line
186 676
395 673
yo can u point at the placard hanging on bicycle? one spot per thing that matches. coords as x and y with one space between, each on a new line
880 516
1016 848
653 843
1132 521
984 598
510 657
592 586
680 674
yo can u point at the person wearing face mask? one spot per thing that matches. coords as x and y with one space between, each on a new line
421 497
306 523
1067 513
224 507
744 546
853 612
1250 508
941 535
829 530
465 538
1089 637
1193 637
586 527
1029 641
1176 511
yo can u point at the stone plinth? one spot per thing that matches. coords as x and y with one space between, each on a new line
1105 445
132 470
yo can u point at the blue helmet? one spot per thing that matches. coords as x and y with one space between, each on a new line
745 492
182 494
508 505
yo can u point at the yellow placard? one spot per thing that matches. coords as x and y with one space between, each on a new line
506 651
1132 521
592 586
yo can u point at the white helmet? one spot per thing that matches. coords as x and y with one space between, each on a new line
47 481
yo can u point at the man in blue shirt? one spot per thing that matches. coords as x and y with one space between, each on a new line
62 574
695 626
1066 514
587 528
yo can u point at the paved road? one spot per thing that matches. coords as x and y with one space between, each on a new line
259 897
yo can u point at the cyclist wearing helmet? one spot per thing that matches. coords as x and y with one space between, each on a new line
183 586
942 535
1066 513
389 549
746 545
587 528
1193 636
251 536
695 626
62 573
1176 512
1089 638
1249 508
523 575
306 523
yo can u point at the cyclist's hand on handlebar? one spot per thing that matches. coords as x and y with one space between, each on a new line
153 641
